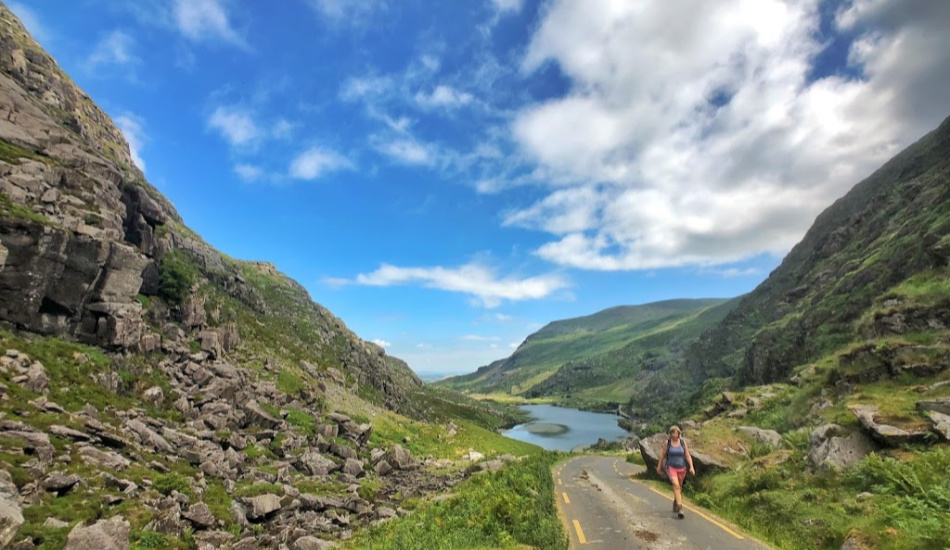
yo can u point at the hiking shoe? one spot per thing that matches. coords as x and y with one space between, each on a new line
677 507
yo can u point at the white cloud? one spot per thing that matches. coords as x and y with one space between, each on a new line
206 20
114 49
248 172
409 151
508 5
30 20
514 345
423 346
316 162
282 129
473 279
443 96
350 12
382 343
236 125
132 128
693 133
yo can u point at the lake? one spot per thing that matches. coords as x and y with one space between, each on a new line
563 429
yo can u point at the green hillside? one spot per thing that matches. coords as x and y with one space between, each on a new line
873 266
610 345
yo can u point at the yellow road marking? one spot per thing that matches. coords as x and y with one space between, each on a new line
580 532
566 500
559 482
702 515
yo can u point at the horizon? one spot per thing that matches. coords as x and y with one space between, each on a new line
449 179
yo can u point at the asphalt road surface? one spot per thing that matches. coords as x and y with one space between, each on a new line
604 509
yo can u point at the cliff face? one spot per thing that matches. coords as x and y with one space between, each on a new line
88 249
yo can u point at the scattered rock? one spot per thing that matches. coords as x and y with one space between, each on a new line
400 458
940 423
154 396
53 523
60 483
353 467
766 437
200 516
940 405
828 450
262 506
11 514
36 379
112 534
886 434
312 543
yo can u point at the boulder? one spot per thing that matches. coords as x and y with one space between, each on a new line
260 507
383 468
400 458
36 379
353 467
315 464
154 396
766 437
37 443
60 483
828 450
890 436
200 516
940 423
11 514
258 417
940 405
104 459
312 543
112 534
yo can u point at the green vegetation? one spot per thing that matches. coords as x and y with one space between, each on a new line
8 207
13 154
177 273
512 507
592 361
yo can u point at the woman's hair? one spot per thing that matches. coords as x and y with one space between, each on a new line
675 429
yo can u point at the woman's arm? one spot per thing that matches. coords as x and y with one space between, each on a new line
660 463
689 458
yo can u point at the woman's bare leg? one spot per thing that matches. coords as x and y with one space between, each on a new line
677 490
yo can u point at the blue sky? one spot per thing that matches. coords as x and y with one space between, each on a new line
448 177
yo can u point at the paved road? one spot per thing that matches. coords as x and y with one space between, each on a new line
604 509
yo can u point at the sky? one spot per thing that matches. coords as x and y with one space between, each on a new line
448 177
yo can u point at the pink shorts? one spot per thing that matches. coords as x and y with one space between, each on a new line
676 472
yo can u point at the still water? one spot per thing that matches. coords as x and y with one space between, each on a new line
563 429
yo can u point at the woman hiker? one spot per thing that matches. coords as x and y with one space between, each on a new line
677 457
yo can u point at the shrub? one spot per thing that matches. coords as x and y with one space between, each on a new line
176 275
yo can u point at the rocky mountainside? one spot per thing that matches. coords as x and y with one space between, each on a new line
158 393
597 360
874 265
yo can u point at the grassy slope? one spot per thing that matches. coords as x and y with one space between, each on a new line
561 342
888 228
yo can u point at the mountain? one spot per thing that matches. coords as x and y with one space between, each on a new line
874 265
599 358
158 393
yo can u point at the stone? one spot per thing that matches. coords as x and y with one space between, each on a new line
260 507
154 396
316 464
890 436
60 483
68 433
37 443
383 468
353 467
940 423
111 534
54 523
400 458
312 543
766 437
36 379
11 513
940 405
105 459
829 450
200 516
258 417
149 438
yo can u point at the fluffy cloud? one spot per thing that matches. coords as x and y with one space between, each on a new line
248 172
347 11
382 343
114 49
205 20
133 131
236 125
473 279
508 5
408 151
317 162
443 96
694 132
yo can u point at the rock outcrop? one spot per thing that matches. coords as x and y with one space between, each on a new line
830 449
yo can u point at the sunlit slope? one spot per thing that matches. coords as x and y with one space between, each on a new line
596 340
873 265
